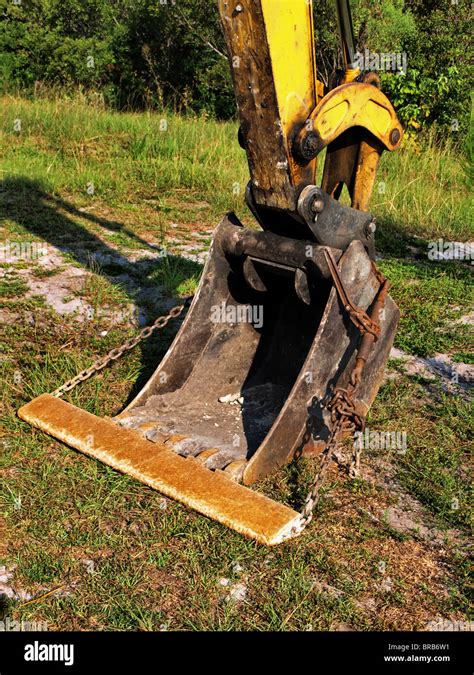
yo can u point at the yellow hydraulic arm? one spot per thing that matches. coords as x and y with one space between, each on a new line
286 118
273 67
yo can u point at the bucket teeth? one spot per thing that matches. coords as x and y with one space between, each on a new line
235 506
186 447
214 459
219 460
206 454
235 470
151 432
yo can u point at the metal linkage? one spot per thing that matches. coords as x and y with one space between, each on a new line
344 416
358 316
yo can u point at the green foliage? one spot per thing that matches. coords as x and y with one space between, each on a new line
165 53
58 42
383 25
136 53
467 162
436 87
440 75
421 100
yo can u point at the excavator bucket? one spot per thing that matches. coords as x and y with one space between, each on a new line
268 337
241 391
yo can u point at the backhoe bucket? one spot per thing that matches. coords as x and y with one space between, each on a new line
242 389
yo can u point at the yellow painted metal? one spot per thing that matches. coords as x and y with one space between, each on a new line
271 51
366 172
357 105
290 35
350 75
319 90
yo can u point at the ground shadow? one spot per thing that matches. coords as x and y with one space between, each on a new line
25 204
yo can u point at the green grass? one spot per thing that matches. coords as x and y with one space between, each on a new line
130 161
119 556
436 466
177 276
127 158
12 286
99 291
432 298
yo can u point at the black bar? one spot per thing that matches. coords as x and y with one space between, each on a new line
312 653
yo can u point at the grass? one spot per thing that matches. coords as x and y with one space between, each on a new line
132 163
435 467
434 296
119 556
12 286
176 275
99 291
68 147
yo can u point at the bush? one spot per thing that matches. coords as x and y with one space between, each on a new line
155 53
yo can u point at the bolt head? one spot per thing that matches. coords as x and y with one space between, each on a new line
310 146
394 136
371 228
317 206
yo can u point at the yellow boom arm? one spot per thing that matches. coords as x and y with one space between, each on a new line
285 118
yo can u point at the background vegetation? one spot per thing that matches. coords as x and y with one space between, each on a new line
97 87
85 547
156 53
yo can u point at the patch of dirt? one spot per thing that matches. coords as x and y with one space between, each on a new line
455 378
192 251
237 593
58 289
393 576
7 590
466 320
329 591
165 592
61 284
405 514
404 581
9 317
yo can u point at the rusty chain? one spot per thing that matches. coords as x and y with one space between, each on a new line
345 421
117 352
357 315
344 416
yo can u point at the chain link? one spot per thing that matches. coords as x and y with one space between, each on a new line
117 352
344 416
345 421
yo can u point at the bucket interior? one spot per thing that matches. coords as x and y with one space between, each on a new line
225 389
